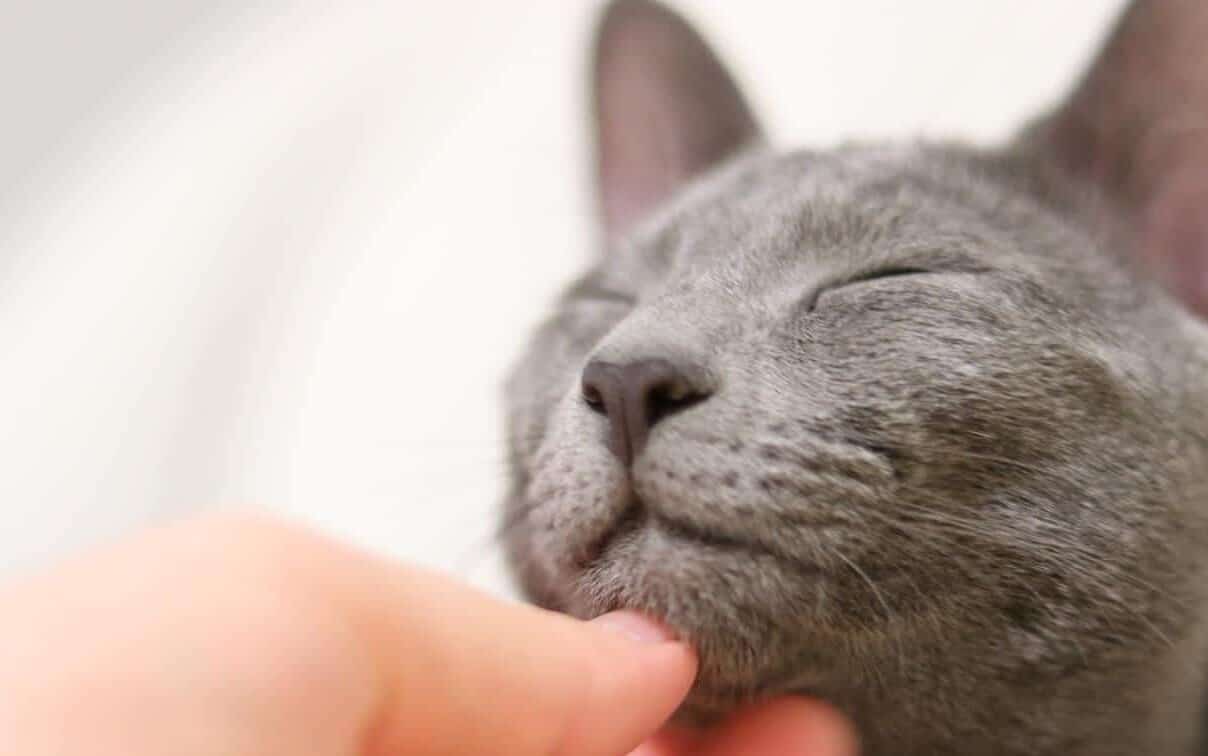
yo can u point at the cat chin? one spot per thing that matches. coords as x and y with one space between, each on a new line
730 602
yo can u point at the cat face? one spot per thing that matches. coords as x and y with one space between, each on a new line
829 414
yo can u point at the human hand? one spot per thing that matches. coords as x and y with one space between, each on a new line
242 636
797 726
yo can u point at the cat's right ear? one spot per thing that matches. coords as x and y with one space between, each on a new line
665 110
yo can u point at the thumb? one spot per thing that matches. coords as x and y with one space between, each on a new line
462 672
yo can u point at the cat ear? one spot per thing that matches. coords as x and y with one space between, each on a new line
665 109
1137 124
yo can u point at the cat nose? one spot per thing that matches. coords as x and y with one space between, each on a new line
635 396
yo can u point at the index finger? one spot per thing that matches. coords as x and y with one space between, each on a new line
462 672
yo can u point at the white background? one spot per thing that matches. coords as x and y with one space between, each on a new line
280 253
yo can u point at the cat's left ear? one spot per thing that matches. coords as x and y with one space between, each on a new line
665 109
1137 125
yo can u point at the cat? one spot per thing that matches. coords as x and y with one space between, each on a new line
920 429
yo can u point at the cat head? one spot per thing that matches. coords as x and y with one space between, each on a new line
826 411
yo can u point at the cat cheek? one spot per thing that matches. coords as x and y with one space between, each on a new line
578 490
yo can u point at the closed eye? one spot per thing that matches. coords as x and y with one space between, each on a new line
869 277
877 275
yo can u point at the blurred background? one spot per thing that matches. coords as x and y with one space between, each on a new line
280 253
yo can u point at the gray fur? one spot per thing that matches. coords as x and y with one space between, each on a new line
968 505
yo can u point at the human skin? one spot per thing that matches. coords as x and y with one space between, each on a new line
238 635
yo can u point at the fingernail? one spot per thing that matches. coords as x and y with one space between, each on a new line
636 626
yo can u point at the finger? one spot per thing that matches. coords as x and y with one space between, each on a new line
466 673
670 741
791 726
281 641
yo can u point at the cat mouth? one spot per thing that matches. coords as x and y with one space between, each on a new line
638 518
631 520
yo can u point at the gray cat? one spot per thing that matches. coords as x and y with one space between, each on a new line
919 429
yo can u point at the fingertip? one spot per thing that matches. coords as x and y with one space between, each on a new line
640 676
788 725
670 741
635 626
640 644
